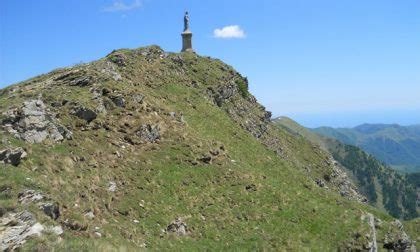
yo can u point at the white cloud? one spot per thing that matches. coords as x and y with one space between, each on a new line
119 5
231 31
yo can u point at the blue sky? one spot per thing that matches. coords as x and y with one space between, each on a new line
321 62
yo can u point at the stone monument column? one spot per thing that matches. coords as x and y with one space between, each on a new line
187 35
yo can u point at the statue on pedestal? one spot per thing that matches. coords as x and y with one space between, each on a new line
187 35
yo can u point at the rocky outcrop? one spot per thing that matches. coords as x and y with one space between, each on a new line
110 70
75 77
340 179
28 196
33 123
118 58
12 156
16 228
396 239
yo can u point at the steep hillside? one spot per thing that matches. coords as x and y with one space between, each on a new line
157 150
384 188
398 146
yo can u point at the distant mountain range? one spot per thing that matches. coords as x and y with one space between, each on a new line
384 188
395 145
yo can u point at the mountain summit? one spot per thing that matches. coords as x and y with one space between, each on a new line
157 150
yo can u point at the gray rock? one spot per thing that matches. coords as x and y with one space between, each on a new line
206 159
149 133
85 114
28 196
12 156
16 228
178 226
118 58
110 70
119 101
90 215
112 186
76 78
320 183
138 98
58 230
51 209
33 123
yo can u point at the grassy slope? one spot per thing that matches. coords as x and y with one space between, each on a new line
158 182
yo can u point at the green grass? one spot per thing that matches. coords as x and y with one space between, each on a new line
158 182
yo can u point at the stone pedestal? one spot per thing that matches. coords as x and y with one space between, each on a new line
187 41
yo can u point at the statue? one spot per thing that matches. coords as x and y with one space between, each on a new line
187 35
186 22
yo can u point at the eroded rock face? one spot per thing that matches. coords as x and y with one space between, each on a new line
16 228
12 156
33 123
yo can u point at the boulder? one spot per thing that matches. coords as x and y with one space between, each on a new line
51 209
12 156
85 114
119 101
58 230
149 133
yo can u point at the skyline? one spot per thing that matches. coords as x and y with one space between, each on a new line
325 63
